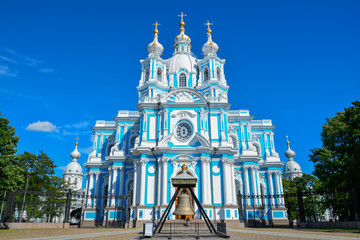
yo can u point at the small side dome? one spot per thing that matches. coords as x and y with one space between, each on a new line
155 47
209 47
75 154
292 167
290 153
73 168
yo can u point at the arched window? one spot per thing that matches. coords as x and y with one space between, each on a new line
206 74
182 48
182 80
132 142
147 74
218 73
159 74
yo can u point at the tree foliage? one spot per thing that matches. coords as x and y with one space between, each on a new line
337 162
10 174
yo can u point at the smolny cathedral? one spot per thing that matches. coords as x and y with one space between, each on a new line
183 116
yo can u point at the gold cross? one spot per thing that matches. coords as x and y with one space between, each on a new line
77 138
182 15
156 24
208 24
287 140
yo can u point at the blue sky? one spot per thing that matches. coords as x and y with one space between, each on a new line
69 63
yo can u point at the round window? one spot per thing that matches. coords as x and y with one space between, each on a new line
183 131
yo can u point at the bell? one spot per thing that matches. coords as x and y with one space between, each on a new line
184 206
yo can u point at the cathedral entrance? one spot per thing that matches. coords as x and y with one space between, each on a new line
191 201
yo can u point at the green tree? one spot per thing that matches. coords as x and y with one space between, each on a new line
11 176
314 204
337 162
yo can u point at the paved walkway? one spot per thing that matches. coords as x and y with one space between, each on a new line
261 234
302 235
90 235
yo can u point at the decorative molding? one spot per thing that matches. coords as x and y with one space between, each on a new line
183 114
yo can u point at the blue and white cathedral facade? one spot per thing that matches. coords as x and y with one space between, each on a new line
183 115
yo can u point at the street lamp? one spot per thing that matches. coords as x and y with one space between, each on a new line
22 207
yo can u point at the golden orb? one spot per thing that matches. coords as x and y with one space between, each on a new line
184 167
182 24
156 31
208 31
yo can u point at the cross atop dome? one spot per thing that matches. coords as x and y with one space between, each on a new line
156 24
208 24
182 23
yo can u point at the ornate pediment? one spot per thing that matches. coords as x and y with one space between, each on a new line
183 96
183 114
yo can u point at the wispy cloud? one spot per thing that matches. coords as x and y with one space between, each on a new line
7 59
46 70
86 150
12 94
75 133
45 126
5 71
12 57
61 168
21 59
79 125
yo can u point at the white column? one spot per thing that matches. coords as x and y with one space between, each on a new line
226 183
121 183
142 181
166 123
242 137
203 182
158 173
91 185
164 182
233 190
87 188
135 185
253 184
114 185
97 184
109 187
278 199
258 185
281 190
246 183
208 180
271 189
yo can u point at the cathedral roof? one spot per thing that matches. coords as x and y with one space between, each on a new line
182 61
74 167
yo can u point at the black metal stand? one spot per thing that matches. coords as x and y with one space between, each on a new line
206 218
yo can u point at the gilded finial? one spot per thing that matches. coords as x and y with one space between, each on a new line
77 142
287 140
208 29
182 23
156 31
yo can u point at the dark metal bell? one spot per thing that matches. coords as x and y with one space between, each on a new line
184 205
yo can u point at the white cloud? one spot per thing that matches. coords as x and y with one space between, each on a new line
47 70
7 59
61 167
79 125
45 126
85 150
5 71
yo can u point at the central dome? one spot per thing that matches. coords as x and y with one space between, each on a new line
182 61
